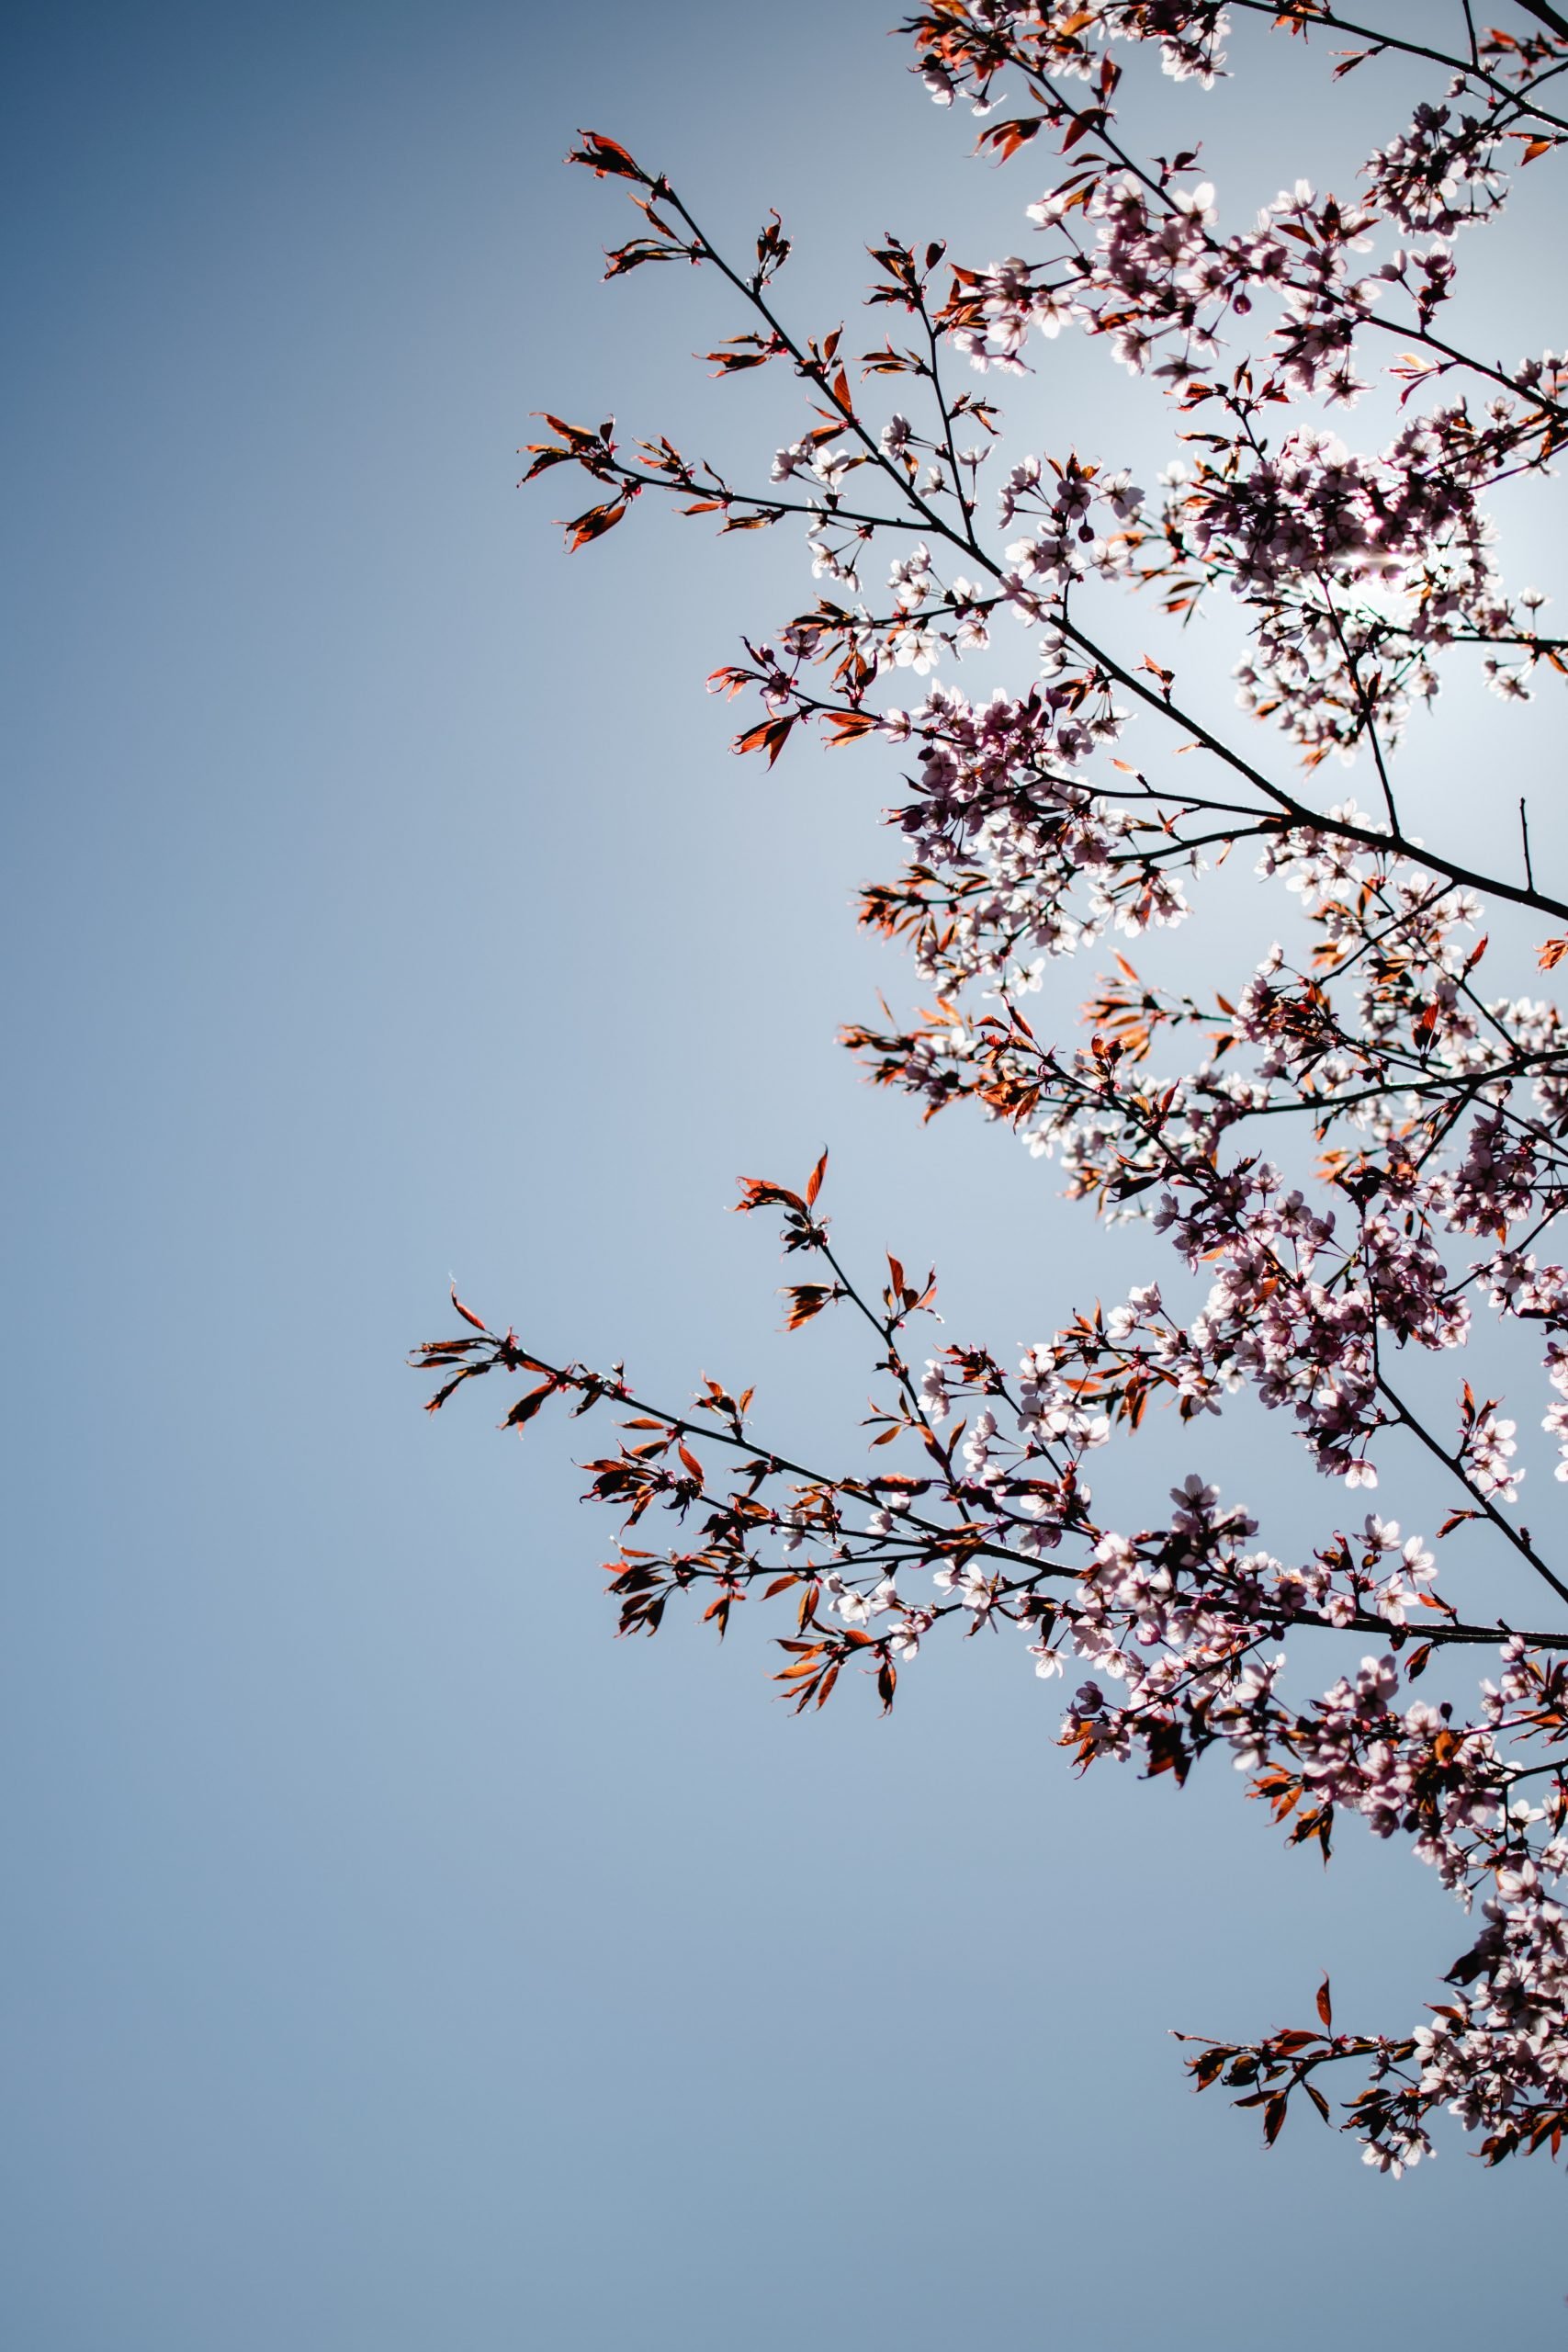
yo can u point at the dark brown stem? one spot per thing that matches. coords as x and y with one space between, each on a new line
939 1538
1331 20
1546 16
1484 1503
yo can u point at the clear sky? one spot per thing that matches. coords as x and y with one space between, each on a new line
393 1959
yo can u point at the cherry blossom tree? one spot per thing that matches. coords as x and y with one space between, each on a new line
1359 1147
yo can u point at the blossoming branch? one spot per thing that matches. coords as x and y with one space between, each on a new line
1359 1141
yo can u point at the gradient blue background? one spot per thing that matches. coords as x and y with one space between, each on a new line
393 1959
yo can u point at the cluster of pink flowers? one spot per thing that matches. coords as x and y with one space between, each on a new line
963 49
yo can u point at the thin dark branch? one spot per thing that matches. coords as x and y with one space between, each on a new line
1483 1502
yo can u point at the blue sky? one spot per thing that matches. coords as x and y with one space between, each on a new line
396 1960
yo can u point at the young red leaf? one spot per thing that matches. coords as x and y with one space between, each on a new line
595 521
526 1406
607 157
